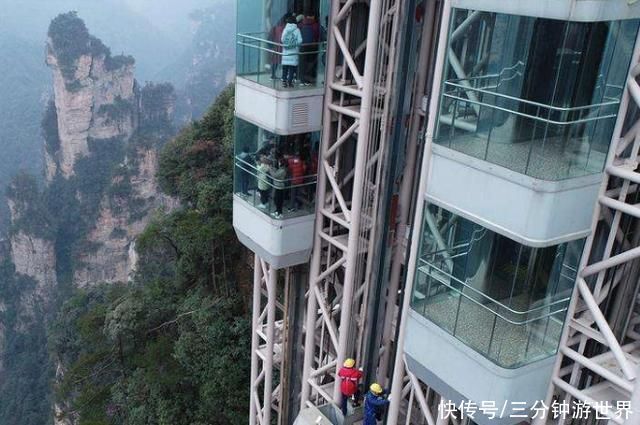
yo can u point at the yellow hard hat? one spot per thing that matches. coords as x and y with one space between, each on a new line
376 388
349 363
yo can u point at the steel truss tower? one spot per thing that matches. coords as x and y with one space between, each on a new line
360 64
266 343
273 338
599 352
360 61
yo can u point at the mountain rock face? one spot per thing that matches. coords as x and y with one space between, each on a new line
212 56
31 251
84 104
119 223
94 93
5 252
99 110
208 66
35 257
102 135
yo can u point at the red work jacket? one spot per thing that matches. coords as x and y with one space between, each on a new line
296 169
350 377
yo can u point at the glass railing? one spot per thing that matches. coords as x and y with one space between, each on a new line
510 332
542 141
260 58
273 191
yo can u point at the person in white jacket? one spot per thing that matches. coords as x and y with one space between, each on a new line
291 41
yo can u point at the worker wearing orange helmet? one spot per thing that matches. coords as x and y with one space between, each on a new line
350 382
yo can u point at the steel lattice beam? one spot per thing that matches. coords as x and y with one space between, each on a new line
595 356
266 345
352 151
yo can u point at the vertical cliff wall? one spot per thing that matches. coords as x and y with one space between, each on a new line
103 129
78 228
31 243
208 65
94 92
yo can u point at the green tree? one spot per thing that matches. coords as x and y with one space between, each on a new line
172 347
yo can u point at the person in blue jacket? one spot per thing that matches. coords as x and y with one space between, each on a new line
291 41
374 404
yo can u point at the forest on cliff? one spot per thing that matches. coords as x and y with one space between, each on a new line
172 346
122 284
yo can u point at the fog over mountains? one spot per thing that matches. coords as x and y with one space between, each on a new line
159 34
105 109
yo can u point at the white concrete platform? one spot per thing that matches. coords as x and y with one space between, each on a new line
282 243
280 111
533 212
459 373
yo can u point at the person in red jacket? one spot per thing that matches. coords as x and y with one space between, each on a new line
296 171
349 387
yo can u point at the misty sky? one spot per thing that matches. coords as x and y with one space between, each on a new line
127 26
157 33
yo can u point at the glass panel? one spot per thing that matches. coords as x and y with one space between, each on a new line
503 299
281 42
276 174
538 96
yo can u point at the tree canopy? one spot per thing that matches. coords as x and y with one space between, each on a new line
171 347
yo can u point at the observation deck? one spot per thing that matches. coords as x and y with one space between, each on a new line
493 307
261 96
525 120
279 105
274 193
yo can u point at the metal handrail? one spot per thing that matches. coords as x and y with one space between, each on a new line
545 120
275 52
453 248
254 171
280 45
499 75
275 43
530 102
494 301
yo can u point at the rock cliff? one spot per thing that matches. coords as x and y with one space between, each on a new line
100 119
121 219
94 93
102 134
209 63
32 250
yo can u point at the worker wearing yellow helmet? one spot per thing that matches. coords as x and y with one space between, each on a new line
374 404
349 386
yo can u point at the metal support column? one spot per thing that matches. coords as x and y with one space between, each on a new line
406 191
266 344
597 359
399 389
360 55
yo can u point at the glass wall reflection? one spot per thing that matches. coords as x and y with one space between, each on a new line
505 300
281 42
276 174
538 96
